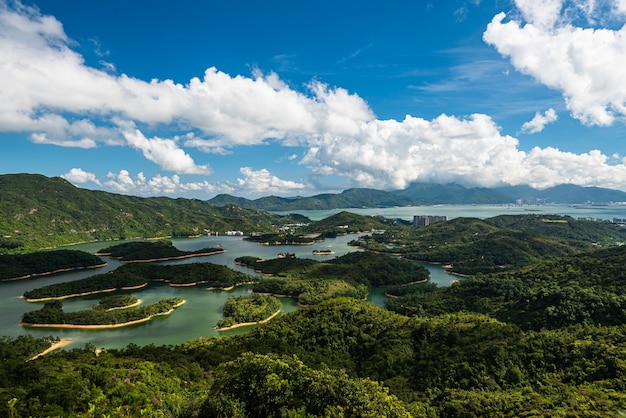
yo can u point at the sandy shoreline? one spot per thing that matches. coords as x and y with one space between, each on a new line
47 273
178 257
60 344
108 326
132 305
245 324
95 292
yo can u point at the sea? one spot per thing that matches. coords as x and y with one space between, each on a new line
203 307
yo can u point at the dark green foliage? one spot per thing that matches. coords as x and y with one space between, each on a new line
23 347
116 302
280 239
151 250
272 386
45 262
39 212
474 246
132 275
52 313
243 309
586 288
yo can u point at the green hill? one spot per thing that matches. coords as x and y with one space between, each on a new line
38 212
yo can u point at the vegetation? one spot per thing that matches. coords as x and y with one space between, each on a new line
39 212
52 314
19 266
312 281
134 275
152 251
116 302
582 289
472 246
341 357
246 309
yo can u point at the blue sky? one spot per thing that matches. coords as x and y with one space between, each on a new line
286 98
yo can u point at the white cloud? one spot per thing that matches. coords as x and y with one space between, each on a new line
587 65
391 154
164 152
262 182
79 176
123 182
539 121
48 91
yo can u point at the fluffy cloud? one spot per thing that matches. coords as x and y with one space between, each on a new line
539 122
123 182
262 182
48 91
165 152
79 176
587 65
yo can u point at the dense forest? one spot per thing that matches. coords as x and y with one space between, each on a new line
472 246
19 266
342 357
248 309
39 212
135 275
51 314
152 251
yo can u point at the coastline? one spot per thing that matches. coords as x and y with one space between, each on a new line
108 326
94 292
132 305
47 273
245 324
60 344
177 257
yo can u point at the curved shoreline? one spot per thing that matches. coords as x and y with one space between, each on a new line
132 305
59 344
120 325
177 257
47 273
94 292
245 324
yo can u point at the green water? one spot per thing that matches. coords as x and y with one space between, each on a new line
203 308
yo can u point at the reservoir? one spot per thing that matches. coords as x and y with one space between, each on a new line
203 308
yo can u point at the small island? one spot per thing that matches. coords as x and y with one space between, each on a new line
148 251
248 310
134 276
110 303
323 252
52 315
43 263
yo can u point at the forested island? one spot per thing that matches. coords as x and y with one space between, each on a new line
52 315
248 310
42 263
311 281
132 276
147 251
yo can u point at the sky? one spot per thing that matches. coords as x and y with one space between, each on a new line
197 98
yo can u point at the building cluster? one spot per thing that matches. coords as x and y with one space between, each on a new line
425 220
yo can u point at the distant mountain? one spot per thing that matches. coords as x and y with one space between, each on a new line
351 198
37 211
565 194
453 194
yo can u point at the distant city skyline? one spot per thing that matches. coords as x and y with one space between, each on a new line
193 99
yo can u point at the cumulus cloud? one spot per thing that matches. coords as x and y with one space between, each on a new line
124 182
47 91
79 176
539 122
586 64
262 182
165 152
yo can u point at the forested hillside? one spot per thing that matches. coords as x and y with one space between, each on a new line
38 212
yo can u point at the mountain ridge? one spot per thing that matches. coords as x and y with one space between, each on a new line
428 194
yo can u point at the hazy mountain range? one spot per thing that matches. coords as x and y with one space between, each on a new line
429 194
